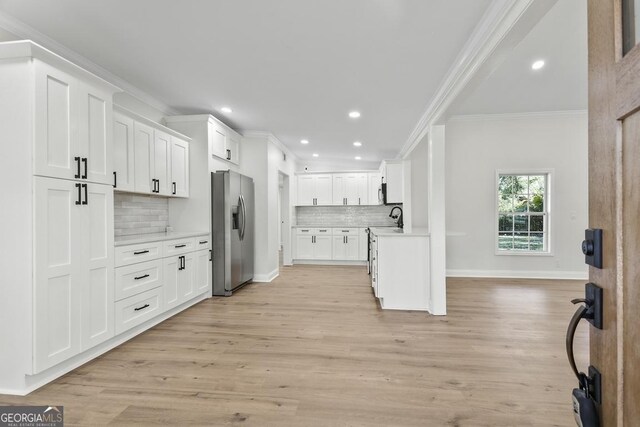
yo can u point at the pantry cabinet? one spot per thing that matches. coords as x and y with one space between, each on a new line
123 153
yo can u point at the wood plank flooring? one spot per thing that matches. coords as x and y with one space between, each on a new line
313 348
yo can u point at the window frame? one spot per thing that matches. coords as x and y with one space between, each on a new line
549 197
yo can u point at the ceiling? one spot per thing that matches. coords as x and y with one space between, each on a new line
511 86
291 67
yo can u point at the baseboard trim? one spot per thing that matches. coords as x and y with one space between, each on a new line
36 381
327 262
266 278
521 274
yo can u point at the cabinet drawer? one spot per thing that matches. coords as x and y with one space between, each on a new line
322 231
179 246
345 231
305 231
136 278
314 231
132 254
137 309
202 242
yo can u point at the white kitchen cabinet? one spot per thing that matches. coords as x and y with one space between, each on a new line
314 243
362 184
131 312
375 179
123 153
180 275
363 243
74 284
315 189
233 147
73 135
143 146
393 176
160 162
322 247
304 246
345 248
350 189
179 167
203 276
224 142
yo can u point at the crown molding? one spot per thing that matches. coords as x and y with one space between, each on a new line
24 31
495 24
271 138
515 116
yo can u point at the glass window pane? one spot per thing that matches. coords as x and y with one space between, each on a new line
630 24
520 203
505 241
505 223
536 184
521 241
536 203
520 184
505 204
505 184
521 222
537 223
536 242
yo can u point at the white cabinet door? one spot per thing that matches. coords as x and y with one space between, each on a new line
123 152
339 188
171 273
58 272
233 147
95 127
57 150
187 278
322 247
374 186
339 248
351 190
306 190
363 243
394 179
179 167
143 145
218 141
98 265
304 247
324 190
160 162
351 246
203 272
362 189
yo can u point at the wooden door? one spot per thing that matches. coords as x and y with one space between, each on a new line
123 152
614 195
97 265
57 153
58 272
95 126
143 143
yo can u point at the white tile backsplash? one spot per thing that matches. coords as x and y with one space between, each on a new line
346 216
140 214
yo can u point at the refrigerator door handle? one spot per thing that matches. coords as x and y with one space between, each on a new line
244 217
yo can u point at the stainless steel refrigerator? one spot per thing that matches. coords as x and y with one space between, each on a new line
233 225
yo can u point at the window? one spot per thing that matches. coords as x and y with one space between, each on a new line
523 213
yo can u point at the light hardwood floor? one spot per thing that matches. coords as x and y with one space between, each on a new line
313 348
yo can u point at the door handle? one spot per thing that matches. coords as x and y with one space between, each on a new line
84 162
86 194
77 160
79 187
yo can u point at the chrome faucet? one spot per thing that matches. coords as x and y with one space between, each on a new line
398 217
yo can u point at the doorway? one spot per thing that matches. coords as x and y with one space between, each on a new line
284 220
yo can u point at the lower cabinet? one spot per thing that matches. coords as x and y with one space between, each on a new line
336 244
314 243
152 278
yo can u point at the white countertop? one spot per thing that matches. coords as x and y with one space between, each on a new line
342 226
395 232
135 239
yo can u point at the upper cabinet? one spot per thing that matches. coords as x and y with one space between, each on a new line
224 141
393 175
350 189
73 134
375 179
149 158
315 189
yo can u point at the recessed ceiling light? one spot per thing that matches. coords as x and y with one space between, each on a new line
354 114
537 65
358 157
357 144
304 141
316 154
226 110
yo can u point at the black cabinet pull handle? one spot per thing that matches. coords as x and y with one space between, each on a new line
157 185
79 187
153 185
179 246
86 194
228 154
84 162
141 252
184 263
202 242
174 187
141 277
141 308
210 254
115 180
77 160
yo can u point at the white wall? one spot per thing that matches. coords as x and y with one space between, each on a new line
419 158
476 146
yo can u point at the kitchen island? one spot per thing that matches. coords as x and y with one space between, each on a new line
399 267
